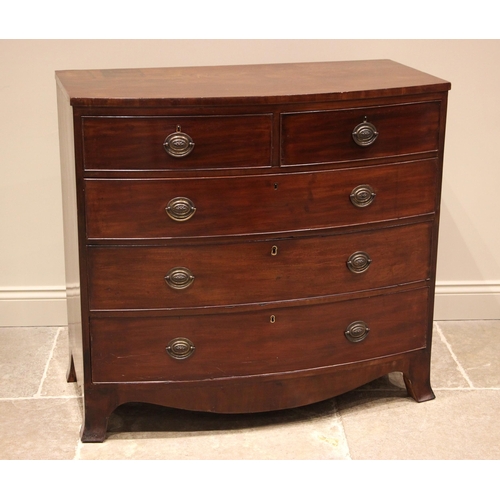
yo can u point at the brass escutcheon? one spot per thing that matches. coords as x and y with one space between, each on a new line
180 348
180 209
362 196
179 278
274 250
357 331
365 133
178 144
358 262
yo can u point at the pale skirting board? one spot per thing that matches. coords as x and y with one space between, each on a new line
33 306
46 306
467 300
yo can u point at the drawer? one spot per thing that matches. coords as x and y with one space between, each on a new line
327 136
253 272
250 343
130 209
137 143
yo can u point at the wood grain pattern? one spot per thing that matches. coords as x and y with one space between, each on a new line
136 143
261 204
246 84
247 272
245 344
326 137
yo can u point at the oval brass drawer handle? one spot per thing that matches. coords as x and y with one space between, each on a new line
362 196
358 262
179 278
180 348
364 134
357 331
178 144
180 209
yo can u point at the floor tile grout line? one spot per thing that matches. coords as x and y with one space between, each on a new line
45 371
78 450
342 428
27 398
459 366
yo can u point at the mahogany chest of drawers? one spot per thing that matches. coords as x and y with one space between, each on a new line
249 238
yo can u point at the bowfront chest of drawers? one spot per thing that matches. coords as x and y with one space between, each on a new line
249 238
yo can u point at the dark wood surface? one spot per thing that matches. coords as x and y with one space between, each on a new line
247 272
274 164
259 204
308 137
137 143
244 344
247 84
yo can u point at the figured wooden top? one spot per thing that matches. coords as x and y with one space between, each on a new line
252 84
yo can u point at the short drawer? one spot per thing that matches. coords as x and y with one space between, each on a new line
140 143
327 136
225 206
257 342
258 271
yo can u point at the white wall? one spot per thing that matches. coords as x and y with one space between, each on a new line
31 243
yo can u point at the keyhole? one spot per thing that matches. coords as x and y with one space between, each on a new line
274 250
272 319
275 185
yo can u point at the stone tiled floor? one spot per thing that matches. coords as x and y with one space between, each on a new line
40 413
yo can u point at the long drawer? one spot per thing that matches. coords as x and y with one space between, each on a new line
160 277
327 136
137 143
257 342
155 208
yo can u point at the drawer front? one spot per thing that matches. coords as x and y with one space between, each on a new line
326 136
251 343
130 209
137 143
253 272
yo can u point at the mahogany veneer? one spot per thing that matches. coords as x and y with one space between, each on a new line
248 238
